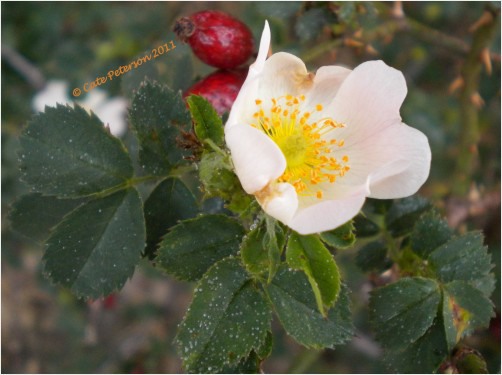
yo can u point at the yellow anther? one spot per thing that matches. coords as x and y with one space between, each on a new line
305 144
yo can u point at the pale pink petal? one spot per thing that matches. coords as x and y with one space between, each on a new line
327 81
257 159
282 202
368 100
283 74
393 163
397 181
243 104
328 215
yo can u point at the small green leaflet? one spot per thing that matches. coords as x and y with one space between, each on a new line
194 245
295 305
307 253
342 237
429 232
158 116
207 123
95 249
403 213
168 203
402 312
34 215
228 318
422 356
68 153
461 258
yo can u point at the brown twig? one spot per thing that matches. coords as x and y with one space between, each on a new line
24 67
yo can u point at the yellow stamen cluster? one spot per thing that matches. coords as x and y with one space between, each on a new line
305 143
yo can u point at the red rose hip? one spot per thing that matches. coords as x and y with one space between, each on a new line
216 38
219 88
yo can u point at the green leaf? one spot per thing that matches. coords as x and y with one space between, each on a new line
251 364
247 365
295 305
207 123
307 253
364 227
169 202
486 284
402 312
429 232
373 257
403 213
342 237
273 241
468 361
34 215
227 319
422 356
69 153
467 306
158 115
461 258
217 176
95 248
194 245
253 252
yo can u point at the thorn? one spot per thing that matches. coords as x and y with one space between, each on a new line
397 9
486 60
349 42
485 19
370 50
477 100
455 85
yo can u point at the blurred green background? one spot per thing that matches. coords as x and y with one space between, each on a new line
46 329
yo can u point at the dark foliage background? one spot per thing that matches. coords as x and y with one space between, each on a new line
46 329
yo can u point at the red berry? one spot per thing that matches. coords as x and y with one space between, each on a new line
220 88
216 38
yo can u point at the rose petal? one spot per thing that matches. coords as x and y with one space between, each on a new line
327 81
283 74
257 159
248 92
369 100
328 215
282 202
394 163
398 180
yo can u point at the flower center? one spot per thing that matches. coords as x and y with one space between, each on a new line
307 145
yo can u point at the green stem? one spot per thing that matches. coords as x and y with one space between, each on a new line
469 120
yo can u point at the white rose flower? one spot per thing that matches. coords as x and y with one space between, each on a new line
311 148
